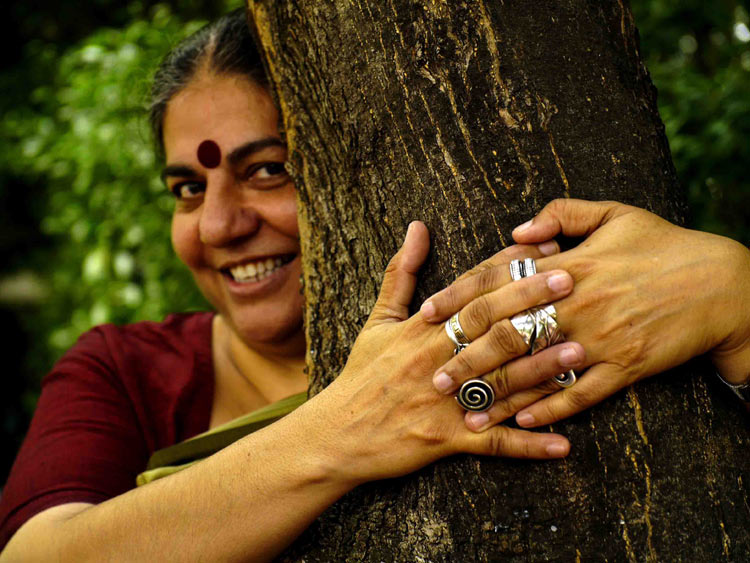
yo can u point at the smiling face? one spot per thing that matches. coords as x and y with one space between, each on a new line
235 220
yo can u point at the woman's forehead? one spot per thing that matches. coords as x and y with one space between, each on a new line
226 110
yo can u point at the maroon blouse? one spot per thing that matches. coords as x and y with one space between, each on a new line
113 399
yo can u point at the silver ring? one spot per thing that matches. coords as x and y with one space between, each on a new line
547 332
539 329
516 270
476 395
456 333
566 379
523 269
525 324
529 267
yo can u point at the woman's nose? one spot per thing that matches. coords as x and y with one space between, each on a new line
225 216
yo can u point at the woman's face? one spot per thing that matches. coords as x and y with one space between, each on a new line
235 219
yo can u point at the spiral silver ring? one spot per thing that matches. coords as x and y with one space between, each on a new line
476 395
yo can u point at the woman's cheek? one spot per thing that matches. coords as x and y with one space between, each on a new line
287 211
185 240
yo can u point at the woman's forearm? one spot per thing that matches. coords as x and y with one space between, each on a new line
247 502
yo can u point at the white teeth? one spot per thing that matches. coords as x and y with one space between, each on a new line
255 271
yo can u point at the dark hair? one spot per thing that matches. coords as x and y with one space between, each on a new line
223 47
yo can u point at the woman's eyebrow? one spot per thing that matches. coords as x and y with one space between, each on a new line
242 151
233 157
179 170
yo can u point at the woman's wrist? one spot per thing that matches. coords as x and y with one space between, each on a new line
732 356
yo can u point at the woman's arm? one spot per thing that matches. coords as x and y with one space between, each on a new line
380 418
648 296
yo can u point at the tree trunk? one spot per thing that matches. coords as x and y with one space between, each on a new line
471 115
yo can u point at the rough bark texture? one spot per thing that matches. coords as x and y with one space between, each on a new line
471 115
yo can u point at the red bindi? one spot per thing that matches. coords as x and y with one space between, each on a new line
209 154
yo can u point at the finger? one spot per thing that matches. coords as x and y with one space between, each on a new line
502 441
597 384
529 371
508 406
494 340
571 217
485 277
479 315
400 276
503 343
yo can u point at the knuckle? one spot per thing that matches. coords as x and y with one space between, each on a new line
486 280
500 381
393 265
577 399
503 337
556 205
464 362
498 441
435 434
528 290
479 313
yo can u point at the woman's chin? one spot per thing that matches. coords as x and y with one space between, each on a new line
271 332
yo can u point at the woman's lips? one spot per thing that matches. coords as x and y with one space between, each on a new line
257 276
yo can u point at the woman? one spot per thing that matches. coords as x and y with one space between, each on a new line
122 393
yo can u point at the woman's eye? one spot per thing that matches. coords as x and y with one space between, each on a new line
270 170
188 190
267 175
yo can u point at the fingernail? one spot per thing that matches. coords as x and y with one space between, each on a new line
568 356
548 248
477 420
408 229
559 282
443 382
524 419
428 309
523 227
557 449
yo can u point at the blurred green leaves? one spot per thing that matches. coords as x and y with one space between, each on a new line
79 142
95 223
698 54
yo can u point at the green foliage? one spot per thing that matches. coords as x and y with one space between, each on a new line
74 139
81 142
698 54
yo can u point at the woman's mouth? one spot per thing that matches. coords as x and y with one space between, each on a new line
256 270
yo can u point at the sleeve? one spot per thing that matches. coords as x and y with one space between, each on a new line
84 443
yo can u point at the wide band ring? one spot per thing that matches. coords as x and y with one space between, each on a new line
476 395
523 269
539 329
456 333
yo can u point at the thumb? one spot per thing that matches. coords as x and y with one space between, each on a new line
400 276
571 217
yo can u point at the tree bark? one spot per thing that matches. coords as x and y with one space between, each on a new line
471 115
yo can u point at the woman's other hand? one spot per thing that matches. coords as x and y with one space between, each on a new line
648 296
382 417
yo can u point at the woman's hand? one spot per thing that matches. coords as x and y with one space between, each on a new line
382 417
648 296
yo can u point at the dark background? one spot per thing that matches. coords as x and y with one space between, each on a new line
84 219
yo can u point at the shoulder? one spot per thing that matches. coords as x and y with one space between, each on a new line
116 348
161 373
179 330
